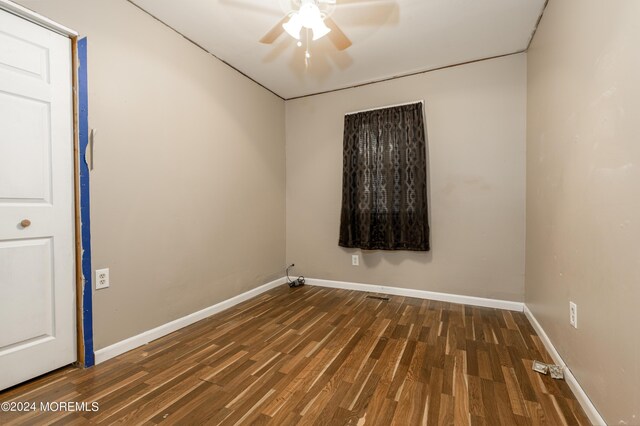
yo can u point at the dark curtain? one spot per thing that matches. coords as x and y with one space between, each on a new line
384 180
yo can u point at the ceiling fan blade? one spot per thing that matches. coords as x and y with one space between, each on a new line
274 32
337 37
374 15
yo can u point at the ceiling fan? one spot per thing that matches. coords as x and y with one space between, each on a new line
311 15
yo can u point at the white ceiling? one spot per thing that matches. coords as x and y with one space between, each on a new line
390 37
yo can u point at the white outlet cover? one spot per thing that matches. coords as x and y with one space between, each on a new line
355 260
573 315
102 278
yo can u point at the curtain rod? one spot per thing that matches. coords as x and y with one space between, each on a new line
386 106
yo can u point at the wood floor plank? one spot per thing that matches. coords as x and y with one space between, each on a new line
320 356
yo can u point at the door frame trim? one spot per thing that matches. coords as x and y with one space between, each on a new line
36 18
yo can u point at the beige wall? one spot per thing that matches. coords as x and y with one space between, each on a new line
476 128
583 195
187 194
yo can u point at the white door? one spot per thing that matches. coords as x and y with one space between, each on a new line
37 289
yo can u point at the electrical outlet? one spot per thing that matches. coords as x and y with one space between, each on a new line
355 260
102 278
573 314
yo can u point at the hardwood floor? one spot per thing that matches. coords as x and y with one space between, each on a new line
320 356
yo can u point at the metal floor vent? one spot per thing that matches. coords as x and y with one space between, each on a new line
377 297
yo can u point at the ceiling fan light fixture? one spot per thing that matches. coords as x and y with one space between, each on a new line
320 29
308 13
312 15
293 26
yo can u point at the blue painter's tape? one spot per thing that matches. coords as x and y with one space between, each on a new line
85 216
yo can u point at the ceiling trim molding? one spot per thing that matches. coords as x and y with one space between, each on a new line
381 80
535 28
199 46
408 75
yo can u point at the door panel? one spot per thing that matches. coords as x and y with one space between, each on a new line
37 286
22 56
25 130
27 262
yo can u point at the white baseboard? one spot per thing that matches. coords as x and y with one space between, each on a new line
133 342
420 294
126 345
581 396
